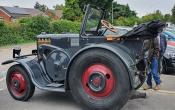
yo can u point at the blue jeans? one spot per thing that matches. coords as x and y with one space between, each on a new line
154 72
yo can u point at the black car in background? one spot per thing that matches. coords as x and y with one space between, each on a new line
169 56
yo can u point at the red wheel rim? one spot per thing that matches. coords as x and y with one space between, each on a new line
102 70
17 84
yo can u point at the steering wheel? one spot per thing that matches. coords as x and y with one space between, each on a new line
108 25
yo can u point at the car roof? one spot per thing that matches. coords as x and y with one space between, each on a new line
169 33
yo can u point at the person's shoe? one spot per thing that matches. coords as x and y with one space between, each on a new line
157 88
146 87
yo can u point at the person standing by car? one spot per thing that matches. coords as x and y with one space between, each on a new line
154 59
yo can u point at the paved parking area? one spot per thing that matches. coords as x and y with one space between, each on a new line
6 54
42 100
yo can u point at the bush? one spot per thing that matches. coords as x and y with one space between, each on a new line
131 21
30 27
1 24
10 34
26 29
62 26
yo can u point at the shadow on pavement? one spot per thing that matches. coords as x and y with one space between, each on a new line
54 99
42 96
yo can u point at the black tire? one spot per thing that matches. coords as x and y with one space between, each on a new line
120 93
29 88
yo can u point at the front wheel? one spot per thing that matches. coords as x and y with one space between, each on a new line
99 80
19 83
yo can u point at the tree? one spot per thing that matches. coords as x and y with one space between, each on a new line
101 3
58 7
122 11
40 7
72 10
130 21
167 17
37 5
173 15
153 16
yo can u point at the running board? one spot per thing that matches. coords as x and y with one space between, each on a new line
55 85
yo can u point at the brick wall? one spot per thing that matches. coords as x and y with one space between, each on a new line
5 16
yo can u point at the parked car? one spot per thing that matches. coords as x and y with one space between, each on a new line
171 29
169 56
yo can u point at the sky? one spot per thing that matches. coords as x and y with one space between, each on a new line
142 7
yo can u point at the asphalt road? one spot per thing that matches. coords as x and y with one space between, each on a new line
42 100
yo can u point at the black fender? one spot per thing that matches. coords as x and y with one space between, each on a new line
128 61
33 68
23 63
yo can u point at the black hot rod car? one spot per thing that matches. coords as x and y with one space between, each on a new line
99 70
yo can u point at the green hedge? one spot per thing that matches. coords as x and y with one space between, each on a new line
62 26
26 29
9 34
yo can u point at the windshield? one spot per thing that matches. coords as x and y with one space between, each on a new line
93 20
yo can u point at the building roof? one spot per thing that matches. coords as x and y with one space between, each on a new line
21 11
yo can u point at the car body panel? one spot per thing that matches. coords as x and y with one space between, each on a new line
169 56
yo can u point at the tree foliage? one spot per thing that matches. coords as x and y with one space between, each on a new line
173 15
101 3
153 16
167 17
129 21
72 10
41 7
122 11
58 7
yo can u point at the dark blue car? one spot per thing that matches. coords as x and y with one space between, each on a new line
169 56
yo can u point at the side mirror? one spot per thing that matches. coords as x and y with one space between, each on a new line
16 51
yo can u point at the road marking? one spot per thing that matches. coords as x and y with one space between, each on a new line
166 92
160 92
1 79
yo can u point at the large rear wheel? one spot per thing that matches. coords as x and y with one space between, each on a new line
19 83
98 80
